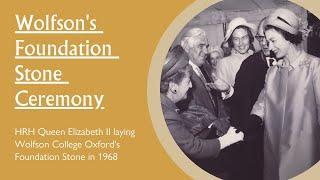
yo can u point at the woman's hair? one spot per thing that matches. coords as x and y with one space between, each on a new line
251 38
226 49
176 72
294 39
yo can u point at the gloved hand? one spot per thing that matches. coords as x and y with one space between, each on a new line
230 138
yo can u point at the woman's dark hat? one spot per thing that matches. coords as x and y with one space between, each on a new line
177 59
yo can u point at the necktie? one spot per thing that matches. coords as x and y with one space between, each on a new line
200 75
203 79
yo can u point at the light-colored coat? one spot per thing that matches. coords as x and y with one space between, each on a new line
290 107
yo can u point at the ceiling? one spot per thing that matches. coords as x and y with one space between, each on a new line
247 5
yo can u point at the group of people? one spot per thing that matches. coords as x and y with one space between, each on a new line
248 115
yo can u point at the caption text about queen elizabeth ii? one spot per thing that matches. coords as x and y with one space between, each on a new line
32 44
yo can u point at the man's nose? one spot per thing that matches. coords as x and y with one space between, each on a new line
205 50
241 41
270 45
264 41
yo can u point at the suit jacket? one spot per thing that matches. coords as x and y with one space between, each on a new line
198 95
193 147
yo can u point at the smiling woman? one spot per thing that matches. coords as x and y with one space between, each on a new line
290 101
239 37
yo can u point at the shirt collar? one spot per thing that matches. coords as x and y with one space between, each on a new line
194 67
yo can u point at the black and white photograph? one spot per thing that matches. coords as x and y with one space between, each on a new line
240 90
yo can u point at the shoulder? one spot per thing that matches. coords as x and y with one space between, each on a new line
313 60
226 59
314 64
168 112
225 62
168 109
252 58
250 62
172 118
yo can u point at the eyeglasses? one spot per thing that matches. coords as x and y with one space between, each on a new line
260 38
201 46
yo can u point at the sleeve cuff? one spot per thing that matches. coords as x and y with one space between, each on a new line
226 95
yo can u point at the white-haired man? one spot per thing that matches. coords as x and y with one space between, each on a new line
206 89
205 92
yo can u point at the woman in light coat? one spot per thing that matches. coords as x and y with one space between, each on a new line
289 104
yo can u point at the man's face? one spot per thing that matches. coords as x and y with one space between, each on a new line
241 40
198 51
263 44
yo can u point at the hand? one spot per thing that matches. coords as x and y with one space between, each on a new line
230 138
219 84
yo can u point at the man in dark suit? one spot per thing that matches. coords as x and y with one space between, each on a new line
248 155
205 90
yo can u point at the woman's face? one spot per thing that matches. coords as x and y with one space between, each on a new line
182 88
214 57
241 40
277 43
